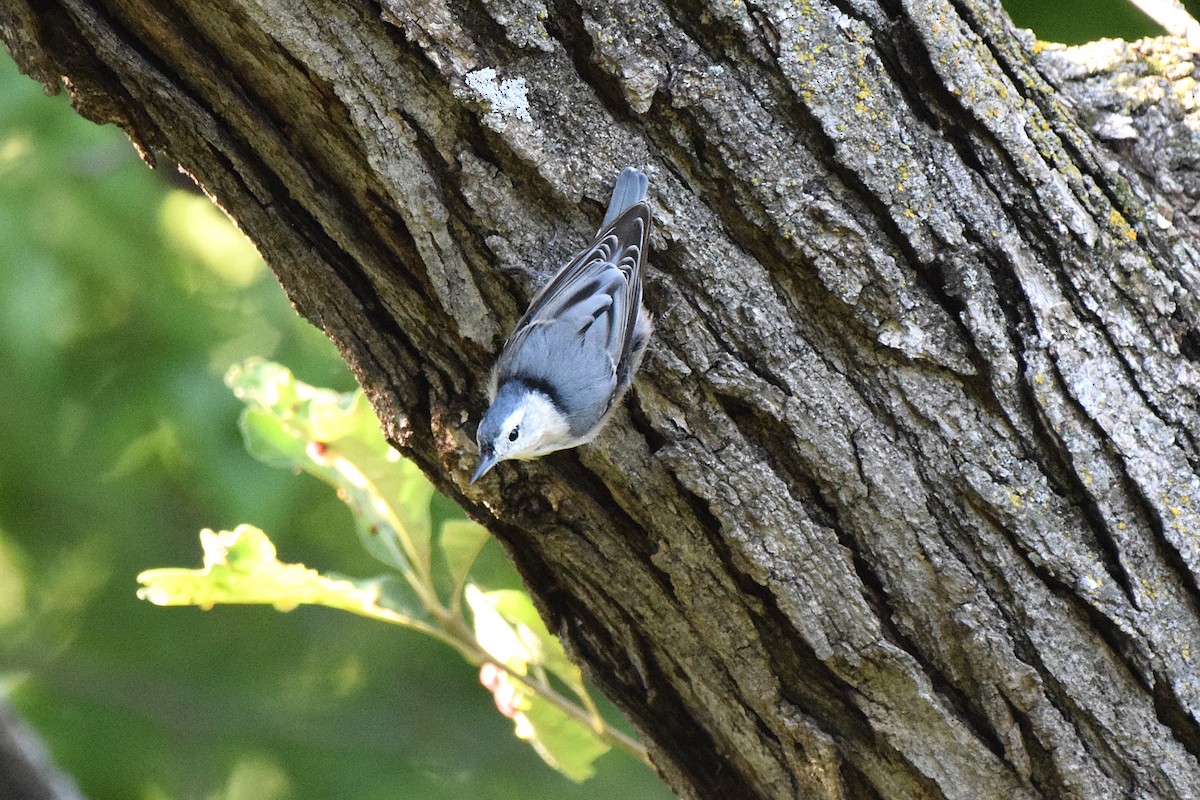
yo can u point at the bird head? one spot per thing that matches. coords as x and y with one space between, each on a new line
521 423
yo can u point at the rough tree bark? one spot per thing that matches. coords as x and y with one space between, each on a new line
904 503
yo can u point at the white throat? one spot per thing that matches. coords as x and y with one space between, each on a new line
543 427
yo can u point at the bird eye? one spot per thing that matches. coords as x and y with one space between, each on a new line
514 433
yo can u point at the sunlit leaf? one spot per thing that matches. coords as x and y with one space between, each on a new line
546 650
241 567
496 635
565 743
336 437
268 441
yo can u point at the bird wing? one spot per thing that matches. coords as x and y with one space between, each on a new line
595 299
622 246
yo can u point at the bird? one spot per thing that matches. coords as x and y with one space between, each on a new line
573 355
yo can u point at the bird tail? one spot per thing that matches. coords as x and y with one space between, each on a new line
629 190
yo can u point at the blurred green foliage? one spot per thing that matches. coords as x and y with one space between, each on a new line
1079 21
122 302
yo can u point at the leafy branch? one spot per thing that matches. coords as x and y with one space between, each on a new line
289 424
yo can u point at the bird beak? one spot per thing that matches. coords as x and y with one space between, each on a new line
486 462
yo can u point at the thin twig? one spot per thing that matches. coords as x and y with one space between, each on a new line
456 634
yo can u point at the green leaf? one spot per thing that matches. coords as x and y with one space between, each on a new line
563 742
496 635
517 607
308 412
392 593
509 628
407 493
267 440
241 567
460 541
336 437
380 524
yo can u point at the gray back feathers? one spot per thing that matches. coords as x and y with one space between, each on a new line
586 331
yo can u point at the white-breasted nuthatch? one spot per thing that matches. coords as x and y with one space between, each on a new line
573 355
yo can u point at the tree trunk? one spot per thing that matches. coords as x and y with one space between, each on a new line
904 503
